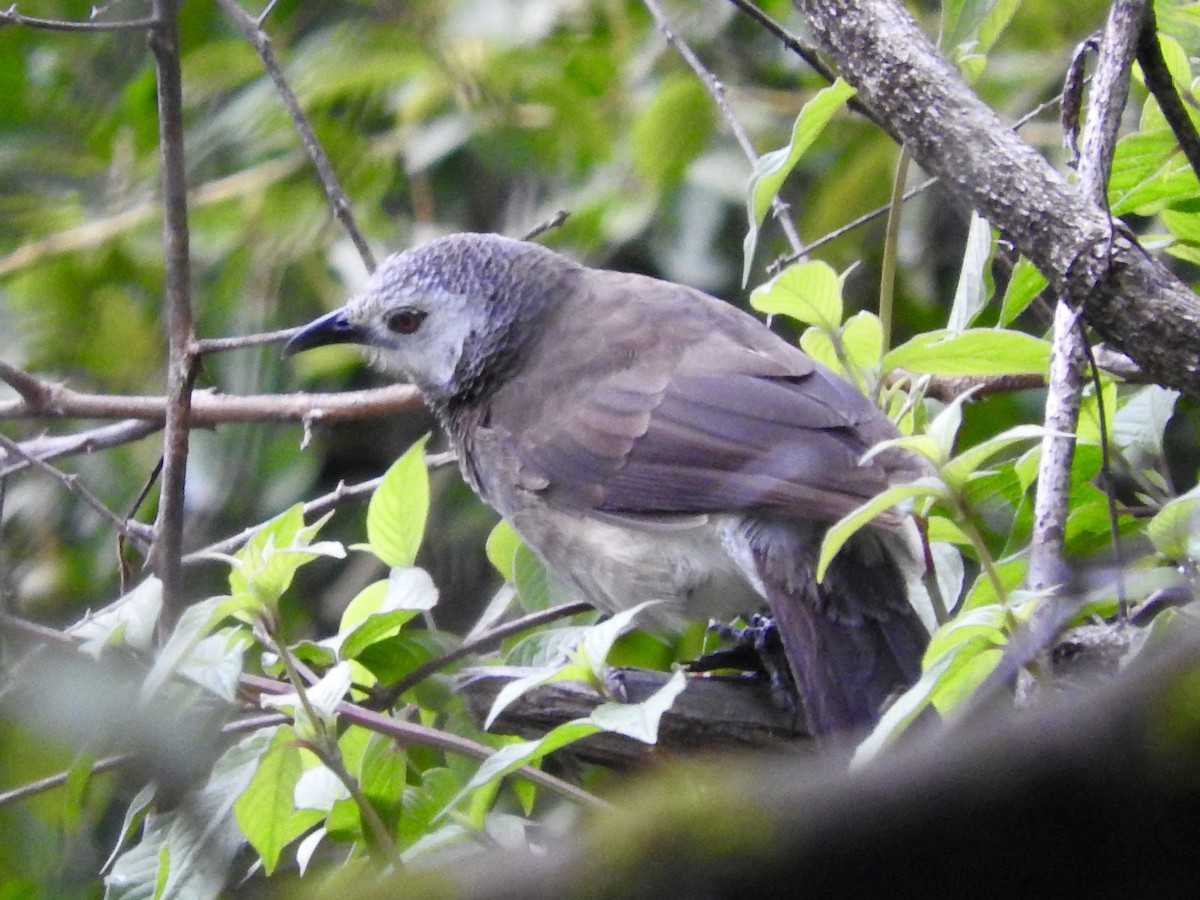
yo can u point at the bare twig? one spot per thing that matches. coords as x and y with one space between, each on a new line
343 494
35 392
214 409
386 696
240 342
181 364
553 222
716 90
411 733
1106 102
1161 85
251 29
810 55
10 16
133 531
52 781
57 446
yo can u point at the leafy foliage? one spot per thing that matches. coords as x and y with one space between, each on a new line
489 116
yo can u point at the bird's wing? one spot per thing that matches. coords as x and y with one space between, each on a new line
670 402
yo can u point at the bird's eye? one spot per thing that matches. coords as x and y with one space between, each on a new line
406 320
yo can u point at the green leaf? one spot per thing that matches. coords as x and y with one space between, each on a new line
849 525
809 292
264 568
774 167
958 470
640 720
501 547
978 351
900 714
975 278
265 810
862 339
130 620
817 343
1025 283
399 507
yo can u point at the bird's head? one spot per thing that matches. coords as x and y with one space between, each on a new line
443 313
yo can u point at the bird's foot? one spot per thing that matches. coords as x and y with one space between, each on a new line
756 649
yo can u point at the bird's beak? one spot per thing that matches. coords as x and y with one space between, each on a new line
332 328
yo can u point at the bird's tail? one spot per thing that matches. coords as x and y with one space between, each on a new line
852 641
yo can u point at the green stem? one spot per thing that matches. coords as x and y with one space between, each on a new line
981 551
887 276
325 746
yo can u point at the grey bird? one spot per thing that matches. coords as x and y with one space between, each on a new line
650 442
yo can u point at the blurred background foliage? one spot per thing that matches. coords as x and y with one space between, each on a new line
439 116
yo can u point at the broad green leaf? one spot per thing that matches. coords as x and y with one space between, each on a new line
501 547
1149 173
635 720
189 850
193 626
977 351
846 528
323 699
809 292
1140 423
130 620
1174 529
774 167
983 593
975 277
971 662
399 507
1025 283
962 467
862 339
215 662
640 720
264 568
265 810
817 343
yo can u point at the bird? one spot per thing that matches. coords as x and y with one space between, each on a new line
650 442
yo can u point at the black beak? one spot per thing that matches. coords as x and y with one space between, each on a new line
332 328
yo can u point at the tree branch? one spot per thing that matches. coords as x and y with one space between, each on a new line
57 446
251 29
209 408
181 364
716 90
10 16
1161 85
1137 305
1106 101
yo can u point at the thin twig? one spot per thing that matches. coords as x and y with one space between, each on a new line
1106 102
779 264
810 55
57 780
10 16
240 342
102 438
209 408
386 696
716 90
554 221
133 531
410 733
251 29
342 495
1162 86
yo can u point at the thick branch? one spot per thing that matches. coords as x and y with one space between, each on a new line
1135 303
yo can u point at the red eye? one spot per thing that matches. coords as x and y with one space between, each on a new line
406 320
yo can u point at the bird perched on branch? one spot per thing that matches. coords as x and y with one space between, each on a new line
650 442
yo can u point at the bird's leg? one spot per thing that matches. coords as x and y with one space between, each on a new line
756 649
